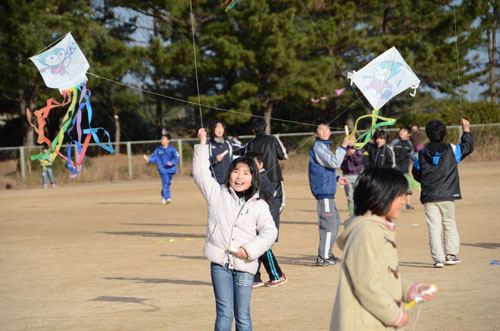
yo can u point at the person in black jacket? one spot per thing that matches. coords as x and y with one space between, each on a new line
271 150
403 153
435 167
220 151
276 275
379 154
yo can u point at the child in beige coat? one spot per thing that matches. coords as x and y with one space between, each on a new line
371 290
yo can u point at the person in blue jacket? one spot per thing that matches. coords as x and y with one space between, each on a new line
323 182
166 158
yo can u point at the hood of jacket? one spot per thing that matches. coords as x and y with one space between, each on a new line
355 220
435 152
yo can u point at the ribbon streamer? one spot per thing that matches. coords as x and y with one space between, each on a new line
364 138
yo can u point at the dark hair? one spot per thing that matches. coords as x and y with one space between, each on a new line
376 189
379 134
167 135
213 125
405 127
259 125
436 131
253 155
415 124
318 123
256 186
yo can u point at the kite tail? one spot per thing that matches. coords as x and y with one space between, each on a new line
364 138
231 5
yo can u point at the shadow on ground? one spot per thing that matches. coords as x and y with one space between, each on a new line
187 257
162 281
127 300
163 224
304 260
155 234
483 245
416 264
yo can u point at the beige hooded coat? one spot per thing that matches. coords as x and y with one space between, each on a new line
232 224
371 289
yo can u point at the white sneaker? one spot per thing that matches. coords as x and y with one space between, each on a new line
439 264
163 201
168 200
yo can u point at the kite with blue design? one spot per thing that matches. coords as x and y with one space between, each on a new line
64 67
380 80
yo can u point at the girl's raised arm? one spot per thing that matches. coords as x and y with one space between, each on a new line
209 187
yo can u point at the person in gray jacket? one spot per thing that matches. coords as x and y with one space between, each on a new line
240 229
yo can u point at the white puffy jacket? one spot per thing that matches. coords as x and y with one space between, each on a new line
229 223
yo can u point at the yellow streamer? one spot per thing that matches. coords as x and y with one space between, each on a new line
367 136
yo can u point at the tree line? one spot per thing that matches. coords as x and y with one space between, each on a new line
262 58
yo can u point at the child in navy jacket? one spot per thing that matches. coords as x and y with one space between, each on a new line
436 168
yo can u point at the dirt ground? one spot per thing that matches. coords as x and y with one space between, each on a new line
112 257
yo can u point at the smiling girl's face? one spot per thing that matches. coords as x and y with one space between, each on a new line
240 178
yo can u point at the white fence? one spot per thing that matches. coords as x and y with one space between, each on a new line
178 143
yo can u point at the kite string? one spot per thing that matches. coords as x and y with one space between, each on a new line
204 105
48 46
458 66
195 62
317 29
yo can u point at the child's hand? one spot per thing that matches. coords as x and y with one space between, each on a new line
202 136
403 321
348 141
465 125
343 181
426 292
241 253
169 164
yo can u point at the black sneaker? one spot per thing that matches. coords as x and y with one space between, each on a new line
332 260
409 206
452 259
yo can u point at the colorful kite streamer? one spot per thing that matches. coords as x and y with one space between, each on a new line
64 66
338 93
229 4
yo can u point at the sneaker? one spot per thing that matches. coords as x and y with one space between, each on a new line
439 264
54 186
409 206
332 260
452 259
275 283
44 185
164 201
257 284
168 200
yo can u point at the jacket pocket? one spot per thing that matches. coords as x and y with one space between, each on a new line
211 231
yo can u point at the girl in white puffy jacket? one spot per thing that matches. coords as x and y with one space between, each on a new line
240 228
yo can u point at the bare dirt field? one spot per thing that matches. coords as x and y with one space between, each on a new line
112 257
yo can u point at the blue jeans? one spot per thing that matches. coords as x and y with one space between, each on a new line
232 288
44 175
